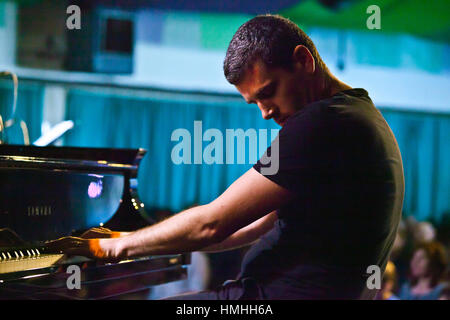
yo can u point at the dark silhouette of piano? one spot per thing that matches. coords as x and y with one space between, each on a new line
51 192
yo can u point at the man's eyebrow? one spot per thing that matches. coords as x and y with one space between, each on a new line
261 90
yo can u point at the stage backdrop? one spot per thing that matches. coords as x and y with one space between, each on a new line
110 120
29 109
103 120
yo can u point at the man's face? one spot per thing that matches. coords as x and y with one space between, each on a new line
278 92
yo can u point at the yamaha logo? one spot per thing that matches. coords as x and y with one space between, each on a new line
34 211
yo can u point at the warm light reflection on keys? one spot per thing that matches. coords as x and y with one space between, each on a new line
26 259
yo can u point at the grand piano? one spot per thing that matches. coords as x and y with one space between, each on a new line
51 192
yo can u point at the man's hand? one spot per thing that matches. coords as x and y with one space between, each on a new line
99 249
102 233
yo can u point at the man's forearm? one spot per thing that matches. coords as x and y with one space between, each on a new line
184 232
235 241
249 198
245 236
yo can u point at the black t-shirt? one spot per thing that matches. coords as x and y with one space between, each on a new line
340 159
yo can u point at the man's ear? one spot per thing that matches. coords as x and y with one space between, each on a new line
303 59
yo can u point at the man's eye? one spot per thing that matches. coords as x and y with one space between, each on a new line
268 93
265 96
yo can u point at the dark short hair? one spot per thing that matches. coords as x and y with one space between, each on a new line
270 38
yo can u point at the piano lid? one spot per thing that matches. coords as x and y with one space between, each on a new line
70 157
49 192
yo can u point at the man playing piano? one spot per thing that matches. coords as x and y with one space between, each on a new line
328 213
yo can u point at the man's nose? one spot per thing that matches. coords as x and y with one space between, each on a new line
266 113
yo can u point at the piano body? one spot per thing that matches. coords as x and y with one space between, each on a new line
51 192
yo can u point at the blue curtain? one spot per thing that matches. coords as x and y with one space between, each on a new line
103 120
424 141
110 120
30 103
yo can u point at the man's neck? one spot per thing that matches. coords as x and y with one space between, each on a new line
336 85
329 85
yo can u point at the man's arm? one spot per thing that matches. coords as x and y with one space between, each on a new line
249 198
245 236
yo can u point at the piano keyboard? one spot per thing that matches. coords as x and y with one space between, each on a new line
15 260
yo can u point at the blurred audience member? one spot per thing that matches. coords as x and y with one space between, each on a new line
403 248
423 232
427 268
400 240
389 283
445 292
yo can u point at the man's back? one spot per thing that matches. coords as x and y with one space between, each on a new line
340 159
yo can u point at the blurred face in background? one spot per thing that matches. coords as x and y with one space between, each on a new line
424 232
419 264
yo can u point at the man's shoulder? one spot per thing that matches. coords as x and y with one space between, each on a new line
349 107
347 101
